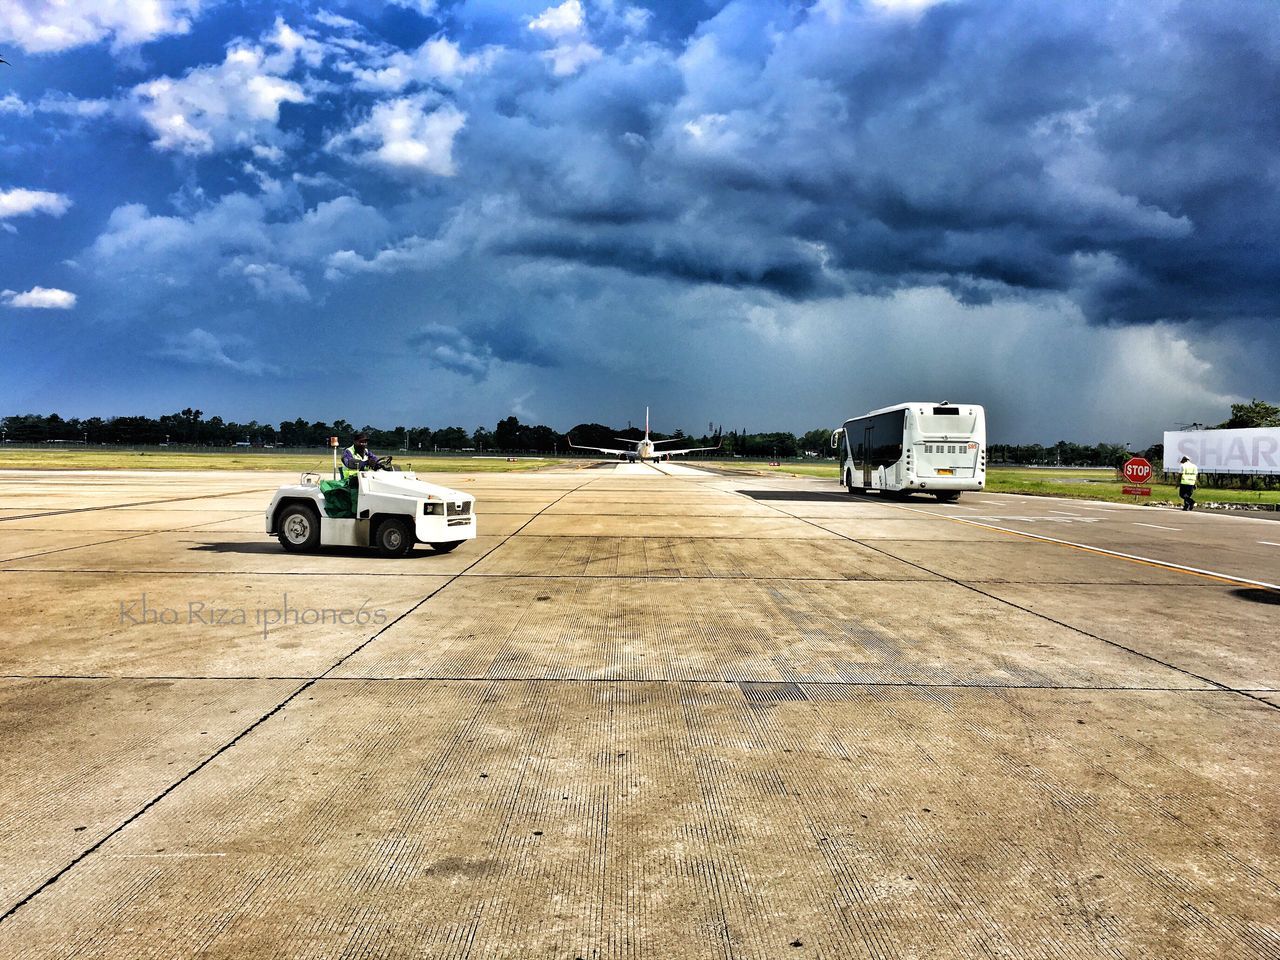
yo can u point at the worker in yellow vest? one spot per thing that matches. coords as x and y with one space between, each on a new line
1187 483
358 457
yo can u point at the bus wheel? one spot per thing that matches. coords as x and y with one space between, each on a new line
848 482
947 497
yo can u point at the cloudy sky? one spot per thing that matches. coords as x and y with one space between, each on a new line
768 215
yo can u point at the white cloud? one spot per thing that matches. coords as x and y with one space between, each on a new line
135 240
20 202
566 26
636 19
407 135
271 281
47 26
56 104
231 105
568 59
439 60
233 249
424 7
413 253
201 348
905 7
39 298
562 21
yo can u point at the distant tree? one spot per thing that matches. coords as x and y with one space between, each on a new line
817 441
507 434
1256 413
450 438
482 439
319 432
541 439
592 435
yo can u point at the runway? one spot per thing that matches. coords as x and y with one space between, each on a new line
652 711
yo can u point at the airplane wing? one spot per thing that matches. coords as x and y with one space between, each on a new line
616 453
675 453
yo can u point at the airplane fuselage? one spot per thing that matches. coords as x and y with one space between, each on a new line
645 448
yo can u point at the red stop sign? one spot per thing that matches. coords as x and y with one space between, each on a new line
1137 470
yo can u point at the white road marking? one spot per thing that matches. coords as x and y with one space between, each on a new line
1116 553
1156 526
1269 543
1065 513
1071 519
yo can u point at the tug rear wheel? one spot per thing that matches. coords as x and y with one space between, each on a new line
394 537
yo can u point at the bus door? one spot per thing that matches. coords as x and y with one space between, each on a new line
867 457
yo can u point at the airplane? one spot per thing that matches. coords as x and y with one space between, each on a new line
645 449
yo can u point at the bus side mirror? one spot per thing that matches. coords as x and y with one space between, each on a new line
835 439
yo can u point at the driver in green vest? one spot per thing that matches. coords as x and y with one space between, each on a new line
357 457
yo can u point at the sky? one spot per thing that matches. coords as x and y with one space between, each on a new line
762 215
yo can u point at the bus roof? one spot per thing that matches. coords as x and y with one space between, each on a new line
917 403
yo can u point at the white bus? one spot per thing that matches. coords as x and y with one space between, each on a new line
938 448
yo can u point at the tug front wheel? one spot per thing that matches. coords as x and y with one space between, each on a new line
298 528
446 547
394 537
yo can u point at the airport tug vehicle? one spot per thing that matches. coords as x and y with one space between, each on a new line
389 510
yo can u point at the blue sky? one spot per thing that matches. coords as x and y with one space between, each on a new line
765 215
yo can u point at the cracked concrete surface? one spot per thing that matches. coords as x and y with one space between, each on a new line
649 713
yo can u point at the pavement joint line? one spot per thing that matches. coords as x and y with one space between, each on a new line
699 681
79 546
614 576
494 576
1043 616
133 535
310 682
140 503
933 577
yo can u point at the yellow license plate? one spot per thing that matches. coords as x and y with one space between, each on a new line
945 473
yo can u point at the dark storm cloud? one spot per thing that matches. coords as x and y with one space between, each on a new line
726 203
1123 154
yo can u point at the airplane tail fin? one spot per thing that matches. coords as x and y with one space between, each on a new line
646 421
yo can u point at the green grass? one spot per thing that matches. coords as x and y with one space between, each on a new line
1049 482
63 459
1102 485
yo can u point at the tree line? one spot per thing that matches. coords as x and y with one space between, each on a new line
190 428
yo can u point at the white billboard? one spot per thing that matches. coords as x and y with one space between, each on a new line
1256 450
